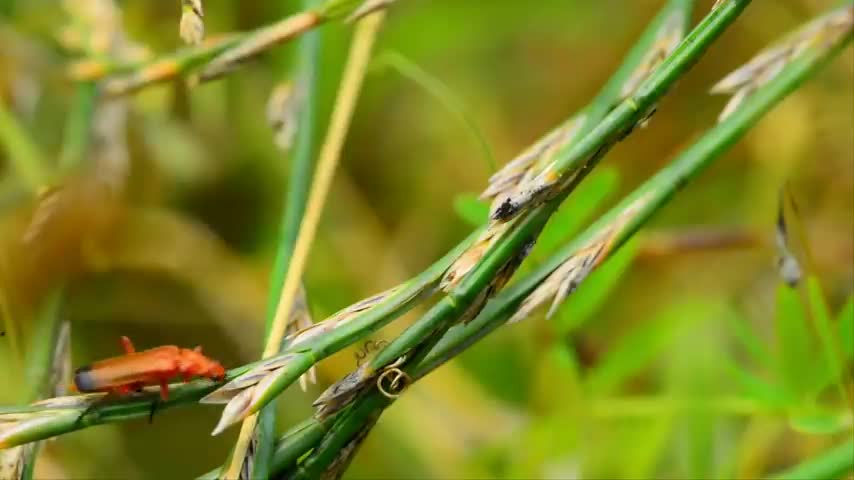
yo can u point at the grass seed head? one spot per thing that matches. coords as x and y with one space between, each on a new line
192 27
768 64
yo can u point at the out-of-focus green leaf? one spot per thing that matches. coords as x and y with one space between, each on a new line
794 358
642 460
821 315
770 395
845 322
822 423
834 463
547 449
471 209
557 385
577 209
595 290
751 342
634 351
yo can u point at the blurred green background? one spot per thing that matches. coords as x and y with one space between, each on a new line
600 390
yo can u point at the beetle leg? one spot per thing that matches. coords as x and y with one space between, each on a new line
154 404
127 345
164 389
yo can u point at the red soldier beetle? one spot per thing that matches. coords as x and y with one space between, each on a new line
134 370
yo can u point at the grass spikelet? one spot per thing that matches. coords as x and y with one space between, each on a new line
246 396
283 109
521 168
666 41
764 67
15 428
340 393
258 42
569 275
470 258
192 27
247 393
300 320
230 390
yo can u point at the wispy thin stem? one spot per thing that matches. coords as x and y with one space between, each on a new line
443 94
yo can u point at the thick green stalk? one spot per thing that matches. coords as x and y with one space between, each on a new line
832 464
67 419
655 193
631 111
349 425
361 326
442 316
290 447
639 207
451 308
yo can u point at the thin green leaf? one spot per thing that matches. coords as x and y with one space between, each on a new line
444 95
794 356
832 464
634 351
768 394
821 316
751 342
845 322
822 423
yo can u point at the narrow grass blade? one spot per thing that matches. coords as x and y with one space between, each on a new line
832 351
834 463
